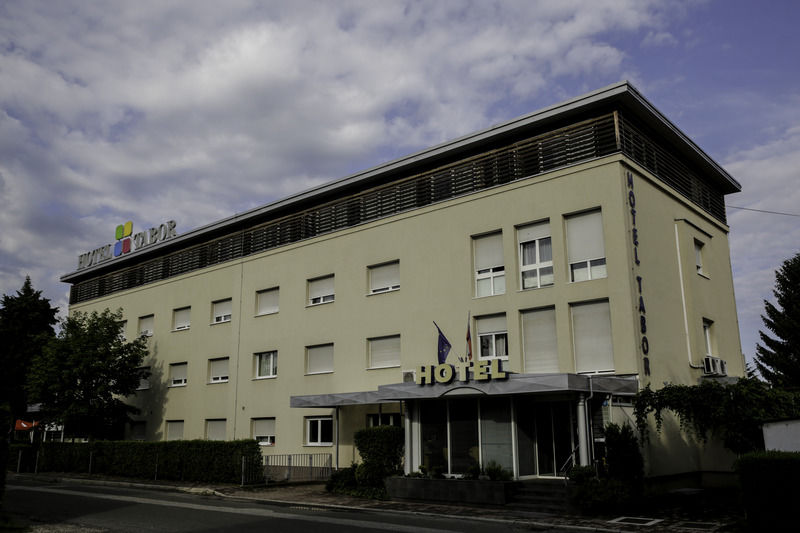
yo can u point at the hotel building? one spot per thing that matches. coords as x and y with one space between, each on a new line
570 257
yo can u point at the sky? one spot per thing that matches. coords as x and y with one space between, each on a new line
196 110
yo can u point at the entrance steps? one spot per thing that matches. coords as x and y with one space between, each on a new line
540 496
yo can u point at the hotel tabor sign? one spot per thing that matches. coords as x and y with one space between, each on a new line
127 241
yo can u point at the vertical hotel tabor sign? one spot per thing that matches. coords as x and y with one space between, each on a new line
637 263
127 241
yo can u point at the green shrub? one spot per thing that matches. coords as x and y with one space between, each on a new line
496 472
342 480
624 460
381 446
770 490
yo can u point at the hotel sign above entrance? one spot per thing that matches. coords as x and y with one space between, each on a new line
127 241
444 373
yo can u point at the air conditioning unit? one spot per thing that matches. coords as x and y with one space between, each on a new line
714 366
409 376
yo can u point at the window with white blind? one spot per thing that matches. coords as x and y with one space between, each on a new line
591 330
585 247
319 359
708 336
264 431
218 370
384 278
320 290
535 255
221 311
319 431
698 257
177 374
490 275
539 341
174 429
215 429
144 383
146 325
267 301
384 352
181 318
492 337
266 364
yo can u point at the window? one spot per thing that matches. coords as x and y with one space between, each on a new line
215 429
174 429
266 364
320 290
539 341
535 255
319 431
383 419
319 359
267 301
177 374
146 325
218 370
222 311
490 275
123 326
492 337
384 352
264 431
384 278
591 330
698 257
138 430
708 336
144 383
180 318
585 248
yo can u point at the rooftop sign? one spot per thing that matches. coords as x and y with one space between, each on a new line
127 241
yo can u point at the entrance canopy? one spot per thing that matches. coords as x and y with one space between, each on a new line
513 385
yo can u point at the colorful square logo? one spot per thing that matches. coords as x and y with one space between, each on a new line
123 236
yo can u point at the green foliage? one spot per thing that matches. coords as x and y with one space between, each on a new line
770 490
182 460
342 481
734 412
381 446
82 374
778 357
496 472
624 461
26 325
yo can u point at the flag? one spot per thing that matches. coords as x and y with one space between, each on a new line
469 341
443 347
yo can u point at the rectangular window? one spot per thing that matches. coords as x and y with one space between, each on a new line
138 430
384 278
535 255
585 247
180 318
384 419
218 370
174 429
384 352
708 336
319 431
591 330
267 301
492 337
264 431
215 429
123 326
146 325
319 359
266 364
221 311
144 383
177 374
320 290
698 257
539 341
490 275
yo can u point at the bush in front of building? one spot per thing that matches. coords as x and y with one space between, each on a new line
770 489
381 450
182 460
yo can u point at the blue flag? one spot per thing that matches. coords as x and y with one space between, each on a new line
444 345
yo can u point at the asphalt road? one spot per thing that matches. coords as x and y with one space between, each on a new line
74 507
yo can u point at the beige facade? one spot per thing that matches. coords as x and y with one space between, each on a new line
597 267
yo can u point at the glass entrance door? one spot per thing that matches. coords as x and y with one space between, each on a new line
545 436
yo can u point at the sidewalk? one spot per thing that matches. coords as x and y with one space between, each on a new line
315 495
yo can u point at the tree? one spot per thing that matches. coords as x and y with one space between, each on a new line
83 374
778 359
26 326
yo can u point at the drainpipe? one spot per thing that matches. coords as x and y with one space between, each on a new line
407 450
583 440
337 437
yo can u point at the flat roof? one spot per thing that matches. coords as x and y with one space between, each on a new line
622 93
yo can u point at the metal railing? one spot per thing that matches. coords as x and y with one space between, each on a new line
296 467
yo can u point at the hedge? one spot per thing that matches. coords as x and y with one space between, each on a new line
180 460
770 489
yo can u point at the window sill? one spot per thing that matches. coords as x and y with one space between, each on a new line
382 367
549 286
220 322
179 329
318 445
387 291
176 386
319 304
266 314
217 382
261 378
143 388
319 373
